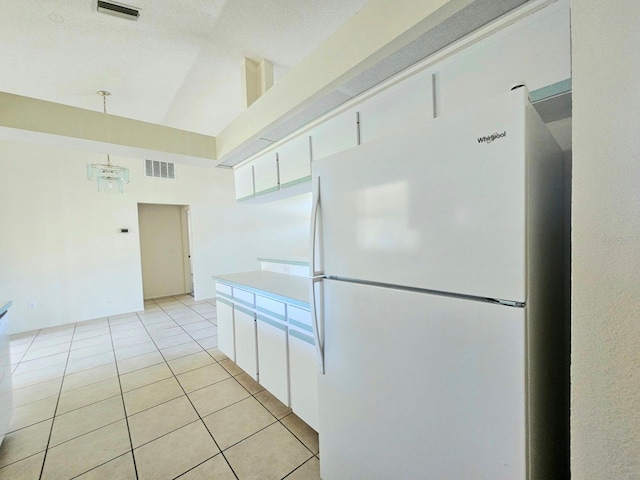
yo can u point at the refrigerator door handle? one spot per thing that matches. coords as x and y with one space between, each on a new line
316 276
314 229
317 331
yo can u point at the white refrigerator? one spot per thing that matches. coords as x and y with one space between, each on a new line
437 300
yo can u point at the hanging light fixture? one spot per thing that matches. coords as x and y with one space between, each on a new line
108 176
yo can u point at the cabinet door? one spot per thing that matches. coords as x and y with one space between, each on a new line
303 377
294 159
335 135
303 367
265 171
272 357
407 103
246 347
226 342
243 177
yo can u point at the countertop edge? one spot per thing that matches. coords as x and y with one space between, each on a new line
271 291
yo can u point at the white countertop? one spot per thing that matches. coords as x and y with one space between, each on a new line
5 305
289 288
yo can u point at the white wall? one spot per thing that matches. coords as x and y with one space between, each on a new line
60 244
161 250
605 423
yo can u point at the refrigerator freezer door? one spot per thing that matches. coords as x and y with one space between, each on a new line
439 206
421 386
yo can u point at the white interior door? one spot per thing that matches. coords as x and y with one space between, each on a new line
186 249
421 386
162 250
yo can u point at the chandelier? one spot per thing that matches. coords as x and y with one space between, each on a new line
108 176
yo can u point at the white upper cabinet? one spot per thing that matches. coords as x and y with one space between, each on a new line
406 103
294 158
335 135
243 177
535 50
265 171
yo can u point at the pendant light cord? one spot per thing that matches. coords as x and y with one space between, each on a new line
104 95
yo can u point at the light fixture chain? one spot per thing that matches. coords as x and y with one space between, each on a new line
109 177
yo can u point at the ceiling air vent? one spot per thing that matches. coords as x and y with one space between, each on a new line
154 168
119 10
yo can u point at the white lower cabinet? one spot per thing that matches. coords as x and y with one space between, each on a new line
226 340
272 357
273 342
303 367
246 347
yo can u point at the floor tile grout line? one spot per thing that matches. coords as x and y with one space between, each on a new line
103 463
202 463
293 433
55 410
200 417
215 361
87 433
25 458
278 420
299 467
185 330
124 407
92 403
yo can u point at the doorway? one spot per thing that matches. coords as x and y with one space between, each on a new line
165 250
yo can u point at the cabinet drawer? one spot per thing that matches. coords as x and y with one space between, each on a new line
301 319
222 288
243 297
270 306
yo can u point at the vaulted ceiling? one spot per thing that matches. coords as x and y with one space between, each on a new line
178 65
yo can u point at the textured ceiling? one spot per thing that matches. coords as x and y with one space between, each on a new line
178 65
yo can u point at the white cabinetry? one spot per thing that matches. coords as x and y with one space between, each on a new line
272 340
303 367
335 135
246 354
272 347
245 332
243 177
265 172
294 159
224 308
408 102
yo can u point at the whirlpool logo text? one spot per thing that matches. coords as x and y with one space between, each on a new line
492 137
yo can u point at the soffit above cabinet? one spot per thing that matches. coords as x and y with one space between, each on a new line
454 27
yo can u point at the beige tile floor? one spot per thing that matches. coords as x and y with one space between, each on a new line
146 396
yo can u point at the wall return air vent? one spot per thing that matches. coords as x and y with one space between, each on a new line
119 10
155 168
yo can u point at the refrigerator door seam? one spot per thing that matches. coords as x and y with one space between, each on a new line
497 301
